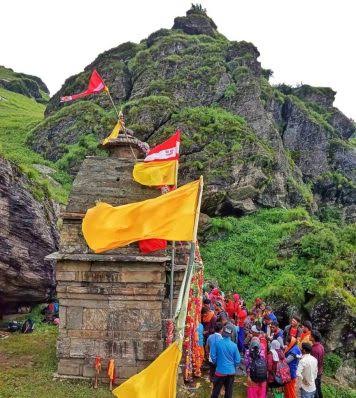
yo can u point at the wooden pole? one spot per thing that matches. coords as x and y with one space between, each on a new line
117 112
171 288
118 115
189 271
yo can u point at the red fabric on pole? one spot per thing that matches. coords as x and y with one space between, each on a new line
151 245
168 150
96 85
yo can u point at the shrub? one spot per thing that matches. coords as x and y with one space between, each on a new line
319 244
332 362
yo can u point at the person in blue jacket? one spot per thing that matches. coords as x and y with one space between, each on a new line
226 356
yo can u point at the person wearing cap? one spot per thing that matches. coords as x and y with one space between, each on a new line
226 356
307 372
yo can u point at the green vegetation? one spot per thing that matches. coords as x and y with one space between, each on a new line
332 364
30 86
281 255
215 136
82 125
27 365
18 115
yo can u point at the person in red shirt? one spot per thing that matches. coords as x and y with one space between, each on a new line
241 318
237 305
318 352
230 308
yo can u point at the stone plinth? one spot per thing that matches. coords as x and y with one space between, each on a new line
114 304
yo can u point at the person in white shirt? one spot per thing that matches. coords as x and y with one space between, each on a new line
307 372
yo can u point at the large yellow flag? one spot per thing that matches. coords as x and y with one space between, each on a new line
155 173
170 216
158 380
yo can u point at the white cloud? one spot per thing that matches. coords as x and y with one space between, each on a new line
309 41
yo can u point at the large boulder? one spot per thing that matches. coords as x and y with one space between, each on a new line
27 234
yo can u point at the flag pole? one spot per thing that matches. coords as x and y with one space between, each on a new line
112 102
118 115
189 271
171 290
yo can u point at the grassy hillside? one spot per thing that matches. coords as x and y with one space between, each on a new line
283 255
30 86
18 115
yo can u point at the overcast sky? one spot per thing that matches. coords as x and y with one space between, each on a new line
309 41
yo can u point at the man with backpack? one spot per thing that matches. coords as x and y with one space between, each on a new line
256 369
226 356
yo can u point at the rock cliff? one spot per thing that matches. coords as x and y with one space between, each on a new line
257 145
27 234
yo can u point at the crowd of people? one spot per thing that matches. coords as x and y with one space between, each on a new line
278 362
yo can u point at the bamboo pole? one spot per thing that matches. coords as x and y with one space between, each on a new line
118 115
184 292
171 288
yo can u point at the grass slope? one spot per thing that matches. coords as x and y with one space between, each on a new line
18 115
283 255
27 364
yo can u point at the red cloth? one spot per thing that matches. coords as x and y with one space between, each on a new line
230 309
293 331
168 150
290 389
242 315
96 85
151 245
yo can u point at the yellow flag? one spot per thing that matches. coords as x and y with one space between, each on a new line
170 216
158 380
155 173
114 134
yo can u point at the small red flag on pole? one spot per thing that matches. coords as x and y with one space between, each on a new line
96 85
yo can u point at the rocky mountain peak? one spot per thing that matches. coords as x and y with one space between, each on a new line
196 22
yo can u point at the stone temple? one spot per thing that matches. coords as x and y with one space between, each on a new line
112 305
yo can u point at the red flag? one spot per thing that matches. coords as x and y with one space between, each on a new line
96 85
151 245
168 150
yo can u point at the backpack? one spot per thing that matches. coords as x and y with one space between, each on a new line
13 326
282 375
258 369
28 326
